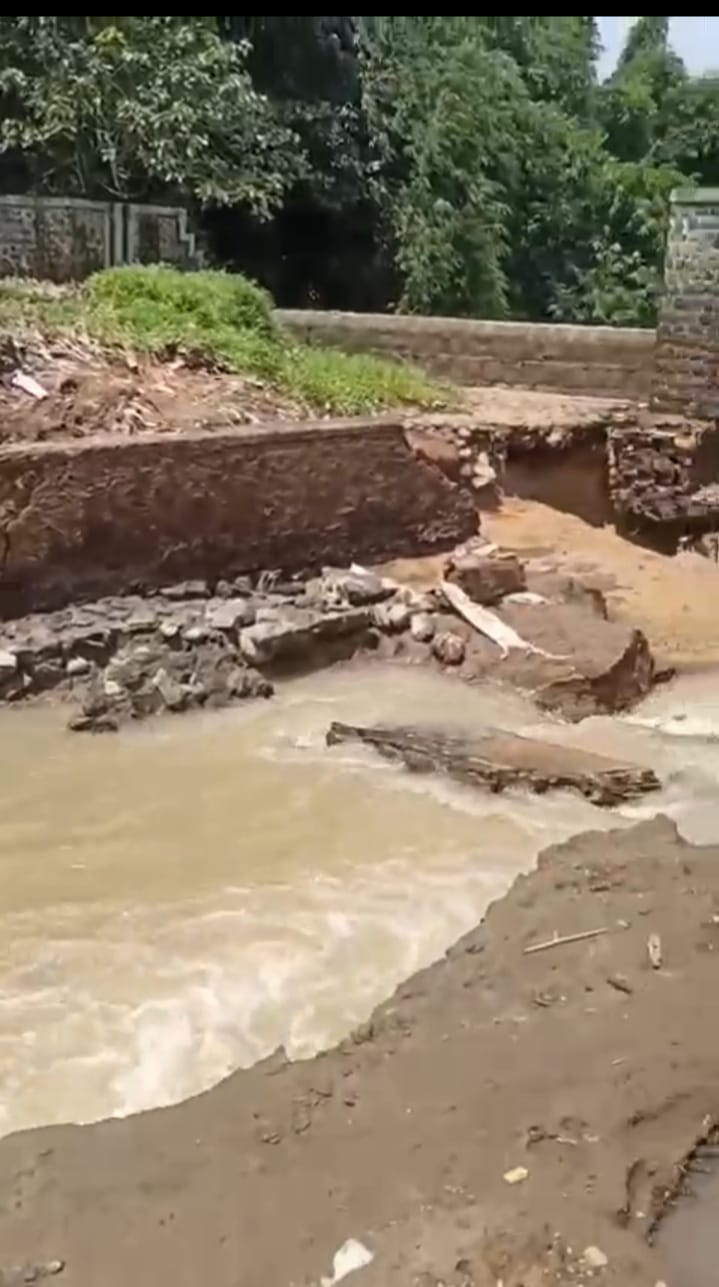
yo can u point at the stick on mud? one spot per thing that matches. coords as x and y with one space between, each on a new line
558 940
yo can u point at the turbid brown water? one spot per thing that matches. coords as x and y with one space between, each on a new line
179 900
688 1237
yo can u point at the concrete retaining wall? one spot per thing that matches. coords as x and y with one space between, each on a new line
87 518
600 360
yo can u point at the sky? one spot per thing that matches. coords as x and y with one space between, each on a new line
696 40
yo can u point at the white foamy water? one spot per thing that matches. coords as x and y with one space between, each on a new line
177 901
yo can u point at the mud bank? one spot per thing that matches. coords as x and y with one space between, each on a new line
582 1064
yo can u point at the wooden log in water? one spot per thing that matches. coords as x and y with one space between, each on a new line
496 759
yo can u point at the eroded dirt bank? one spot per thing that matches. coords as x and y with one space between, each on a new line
671 597
581 1063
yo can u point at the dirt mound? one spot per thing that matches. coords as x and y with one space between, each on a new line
87 395
509 1115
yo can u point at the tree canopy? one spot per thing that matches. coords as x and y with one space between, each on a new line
467 165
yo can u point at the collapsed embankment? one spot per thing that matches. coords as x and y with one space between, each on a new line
105 515
656 478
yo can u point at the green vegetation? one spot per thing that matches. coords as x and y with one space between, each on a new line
217 318
456 165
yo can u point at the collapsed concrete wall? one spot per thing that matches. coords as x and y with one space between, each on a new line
86 518
686 376
64 239
603 360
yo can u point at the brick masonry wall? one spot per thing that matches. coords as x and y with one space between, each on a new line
600 360
79 519
686 376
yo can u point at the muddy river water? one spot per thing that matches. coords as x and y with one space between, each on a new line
178 900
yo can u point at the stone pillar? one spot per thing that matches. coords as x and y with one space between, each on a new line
686 368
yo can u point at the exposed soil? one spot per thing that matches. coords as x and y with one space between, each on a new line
89 396
582 1064
672 598
87 393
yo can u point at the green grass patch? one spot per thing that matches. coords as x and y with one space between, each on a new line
222 318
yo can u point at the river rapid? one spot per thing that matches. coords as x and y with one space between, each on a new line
178 900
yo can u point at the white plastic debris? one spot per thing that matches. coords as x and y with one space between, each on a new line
28 384
488 623
594 1258
352 1255
517 1175
654 951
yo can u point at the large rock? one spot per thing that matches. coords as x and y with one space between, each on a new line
486 578
341 586
297 633
496 759
449 648
186 590
581 665
392 617
229 614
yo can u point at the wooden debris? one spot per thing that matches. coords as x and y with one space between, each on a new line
560 939
620 983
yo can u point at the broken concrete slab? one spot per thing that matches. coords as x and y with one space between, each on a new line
295 631
497 759
579 665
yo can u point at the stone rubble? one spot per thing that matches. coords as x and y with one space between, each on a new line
660 468
201 645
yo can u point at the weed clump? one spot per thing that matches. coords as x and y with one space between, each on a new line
218 318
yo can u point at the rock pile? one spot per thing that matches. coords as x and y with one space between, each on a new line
661 476
129 657
199 645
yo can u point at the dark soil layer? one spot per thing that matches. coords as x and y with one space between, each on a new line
582 1063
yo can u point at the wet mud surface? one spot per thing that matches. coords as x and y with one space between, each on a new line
507 1116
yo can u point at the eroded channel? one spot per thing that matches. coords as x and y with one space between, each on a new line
180 899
